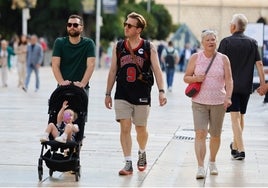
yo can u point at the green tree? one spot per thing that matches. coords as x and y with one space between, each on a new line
10 20
159 21
164 21
48 19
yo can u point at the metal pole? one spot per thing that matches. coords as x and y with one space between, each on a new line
148 6
98 19
25 17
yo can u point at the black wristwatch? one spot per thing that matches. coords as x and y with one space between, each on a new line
161 91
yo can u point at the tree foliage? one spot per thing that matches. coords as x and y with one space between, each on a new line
159 21
49 17
10 20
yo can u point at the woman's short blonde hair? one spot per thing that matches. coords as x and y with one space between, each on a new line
208 32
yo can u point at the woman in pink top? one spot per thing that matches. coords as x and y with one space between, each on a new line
210 104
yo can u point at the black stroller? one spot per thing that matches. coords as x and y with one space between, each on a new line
54 156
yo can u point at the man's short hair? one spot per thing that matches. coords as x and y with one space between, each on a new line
78 17
141 21
240 21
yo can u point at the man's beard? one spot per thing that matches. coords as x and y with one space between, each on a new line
74 34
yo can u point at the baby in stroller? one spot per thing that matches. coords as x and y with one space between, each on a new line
62 140
65 129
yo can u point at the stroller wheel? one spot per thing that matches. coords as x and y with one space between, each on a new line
50 172
40 174
77 175
40 170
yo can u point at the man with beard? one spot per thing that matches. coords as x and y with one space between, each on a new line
73 56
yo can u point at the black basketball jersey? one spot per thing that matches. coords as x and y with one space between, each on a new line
128 86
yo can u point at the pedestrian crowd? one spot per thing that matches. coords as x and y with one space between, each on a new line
25 54
225 75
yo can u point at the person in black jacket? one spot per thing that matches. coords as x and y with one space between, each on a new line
244 55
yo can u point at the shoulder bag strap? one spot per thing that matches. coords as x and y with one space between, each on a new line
133 56
211 63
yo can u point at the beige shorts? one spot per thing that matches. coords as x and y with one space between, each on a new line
137 113
208 117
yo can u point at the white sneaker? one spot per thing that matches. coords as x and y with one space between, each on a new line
213 169
61 139
200 173
44 138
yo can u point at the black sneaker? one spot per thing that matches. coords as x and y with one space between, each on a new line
233 151
127 170
239 155
142 163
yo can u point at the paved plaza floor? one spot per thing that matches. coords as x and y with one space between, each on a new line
170 149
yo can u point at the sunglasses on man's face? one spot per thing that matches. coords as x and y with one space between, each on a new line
129 25
75 25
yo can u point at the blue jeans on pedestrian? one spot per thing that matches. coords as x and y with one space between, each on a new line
31 68
170 75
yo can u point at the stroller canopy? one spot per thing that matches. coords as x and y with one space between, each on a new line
77 99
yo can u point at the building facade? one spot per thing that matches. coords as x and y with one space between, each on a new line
213 14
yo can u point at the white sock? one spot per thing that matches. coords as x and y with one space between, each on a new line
142 150
128 158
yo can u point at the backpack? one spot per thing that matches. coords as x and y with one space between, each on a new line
170 59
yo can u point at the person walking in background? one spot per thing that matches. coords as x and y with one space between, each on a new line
131 58
109 53
185 55
243 54
170 57
160 48
21 51
73 56
43 43
210 104
34 59
5 55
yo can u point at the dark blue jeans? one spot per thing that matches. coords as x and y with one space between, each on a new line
170 75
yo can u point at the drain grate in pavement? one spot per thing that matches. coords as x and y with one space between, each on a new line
183 138
184 134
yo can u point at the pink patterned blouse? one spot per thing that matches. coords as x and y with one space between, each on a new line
213 87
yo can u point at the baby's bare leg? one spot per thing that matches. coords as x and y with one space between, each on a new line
68 131
51 128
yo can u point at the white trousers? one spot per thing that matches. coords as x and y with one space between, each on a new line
4 71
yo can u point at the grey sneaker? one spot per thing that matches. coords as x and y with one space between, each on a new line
127 170
142 163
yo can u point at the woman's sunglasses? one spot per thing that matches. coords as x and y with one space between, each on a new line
129 25
75 25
